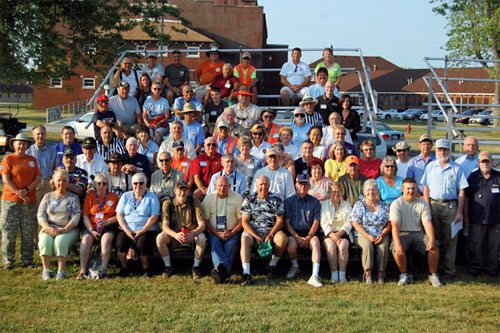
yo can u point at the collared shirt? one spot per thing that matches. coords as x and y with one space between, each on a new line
328 137
468 165
237 182
194 132
186 215
94 167
136 214
484 198
139 161
326 106
222 145
166 146
302 212
260 152
373 222
61 147
150 150
315 90
195 101
116 146
248 116
416 168
263 212
295 74
162 185
444 184
205 167
281 181
46 157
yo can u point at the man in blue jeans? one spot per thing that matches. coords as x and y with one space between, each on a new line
222 209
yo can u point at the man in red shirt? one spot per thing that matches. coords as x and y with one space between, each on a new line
226 82
204 166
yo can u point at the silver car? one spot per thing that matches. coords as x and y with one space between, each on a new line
389 135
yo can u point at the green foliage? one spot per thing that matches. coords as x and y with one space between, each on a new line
42 38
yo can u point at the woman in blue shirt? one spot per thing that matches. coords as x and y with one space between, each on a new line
389 184
156 112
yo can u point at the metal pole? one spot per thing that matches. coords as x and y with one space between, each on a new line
429 105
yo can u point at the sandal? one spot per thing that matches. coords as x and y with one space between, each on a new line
81 276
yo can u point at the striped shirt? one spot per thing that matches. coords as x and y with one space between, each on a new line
313 119
116 146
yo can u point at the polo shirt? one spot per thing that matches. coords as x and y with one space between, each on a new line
222 145
137 214
333 73
237 182
205 167
150 150
162 185
484 198
352 188
22 171
444 184
226 85
94 167
91 207
166 146
181 215
326 106
140 161
295 74
46 157
302 212
228 207
416 168
61 147
468 165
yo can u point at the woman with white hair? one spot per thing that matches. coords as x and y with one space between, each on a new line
388 183
137 213
370 218
99 219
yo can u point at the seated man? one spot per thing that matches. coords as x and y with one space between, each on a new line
164 179
127 74
226 82
68 142
119 181
262 221
312 117
247 74
207 71
187 97
303 213
280 179
205 166
77 176
177 134
183 224
237 180
235 129
181 162
224 227
328 103
104 117
176 77
192 129
295 77
133 161
89 161
246 113
352 182
108 143
226 143
407 215
318 89
213 109
126 109
299 127
154 70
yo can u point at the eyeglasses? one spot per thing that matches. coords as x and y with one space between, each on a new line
101 183
138 183
301 115
257 133
296 67
156 88
389 166
103 102
268 117
246 58
165 160
211 144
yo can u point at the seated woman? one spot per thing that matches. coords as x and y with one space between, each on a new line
350 118
315 135
335 165
320 185
369 164
246 163
285 137
388 183
137 213
147 147
370 218
336 226
143 90
271 128
156 112
58 217
100 224
259 145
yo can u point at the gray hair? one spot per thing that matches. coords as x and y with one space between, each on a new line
370 182
228 156
100 177
228 65
178 122
61 173
229 109
386 159
278 145
132 140
158 156
140 177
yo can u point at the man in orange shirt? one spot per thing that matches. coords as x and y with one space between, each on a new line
20 175
207 71
181 162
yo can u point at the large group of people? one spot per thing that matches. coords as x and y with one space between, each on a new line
215 170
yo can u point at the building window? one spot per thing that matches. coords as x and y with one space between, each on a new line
140 47
163 48
88 83
55 82
193 52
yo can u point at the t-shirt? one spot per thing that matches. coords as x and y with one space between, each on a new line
156 108
263 212
207 71
58 211
300 134
107 203
22 171
410 214
136 214
281 181
177 75
107 117
244 77
213 111
333 73
387 193
186 215
295 74
194 132
132 78
125 109
370 169
402 168
228 207
154 72
225 85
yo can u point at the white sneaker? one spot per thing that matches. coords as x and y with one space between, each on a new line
314 281
46 274
292 272
434 280
61 275
404 279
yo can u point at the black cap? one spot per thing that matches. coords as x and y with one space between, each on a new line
178 144
89 142
115 157
182 184
69 152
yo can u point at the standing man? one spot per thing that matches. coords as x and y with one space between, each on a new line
46 156
318 89
126 73
417 164
328 103
444 190
303 213
280 179
481 213
205 166
237 180
352 182
469 161
68 142
126 108
176 77
164 179
247 74
295 77
154 70
408 214
207 71
89 161
402 150
20 175
224 227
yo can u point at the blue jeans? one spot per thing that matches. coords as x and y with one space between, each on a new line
223 252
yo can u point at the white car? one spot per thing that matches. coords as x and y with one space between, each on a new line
381 147
79 126
389 114
437 115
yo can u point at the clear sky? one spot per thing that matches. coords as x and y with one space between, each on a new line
401 31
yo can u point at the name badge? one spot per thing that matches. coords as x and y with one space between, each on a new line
185 163
227 85
181 73
220 223
203 163
276 135
495 190
248 120
322 106
157 189
99 216
213 113
251 166
217 69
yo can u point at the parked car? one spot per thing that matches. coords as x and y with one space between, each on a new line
481 120
437 115
390 135
412 114
79 126
388 114
381 147
469 113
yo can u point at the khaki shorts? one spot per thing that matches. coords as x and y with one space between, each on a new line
417 239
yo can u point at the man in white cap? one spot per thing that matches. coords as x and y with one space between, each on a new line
226 144
247 74
417 164
295 77
154 70
280 179
402 150
312 117
444 190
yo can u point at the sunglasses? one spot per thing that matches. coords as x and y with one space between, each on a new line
401 150
138 183
211 144
268 117
101 183
156 88
246 58
257 133
389 166
165 160
301 115
296 67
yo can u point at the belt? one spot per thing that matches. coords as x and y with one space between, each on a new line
444 201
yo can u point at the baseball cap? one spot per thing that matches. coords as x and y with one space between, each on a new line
222 123
484 155
271 152
302 178
69 152
176 52
424 137
351 159
443 143
246 54
115 157
178 144
102 98
124 84
181 184
401 145
89 142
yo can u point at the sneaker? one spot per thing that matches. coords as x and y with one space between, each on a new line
404 279
246 280
434 280
218 278
167 271
271 272
368 279
8 266
224 271
46 274
292 272
315 282
381 280
124 272
61 275
196 273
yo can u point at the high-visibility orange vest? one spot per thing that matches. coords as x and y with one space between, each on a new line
232 142
182 166
245 79
274 134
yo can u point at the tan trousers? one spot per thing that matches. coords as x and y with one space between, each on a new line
368 253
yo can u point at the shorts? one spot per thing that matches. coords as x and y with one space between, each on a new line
261 235
417 239
299 94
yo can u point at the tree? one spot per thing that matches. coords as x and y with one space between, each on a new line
42 38
474 32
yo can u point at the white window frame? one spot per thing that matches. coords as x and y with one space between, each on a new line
140 47
193 52
163 48
55 84
84 86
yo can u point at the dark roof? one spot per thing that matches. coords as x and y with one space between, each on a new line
373 63
16 88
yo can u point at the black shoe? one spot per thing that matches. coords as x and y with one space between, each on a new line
271 272
217 276
196 273
148 272
246 280
167 271
124 272
28 266
224 271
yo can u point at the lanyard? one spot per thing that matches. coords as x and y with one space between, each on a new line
103 201
136 204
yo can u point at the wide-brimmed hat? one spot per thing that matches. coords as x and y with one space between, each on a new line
307 100
213 49
19 137
274 112
115 157
244 91
188 107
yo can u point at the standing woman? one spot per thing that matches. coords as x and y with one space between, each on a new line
20 175
335 165
388 183
315 135
350 117
143 90
156 112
